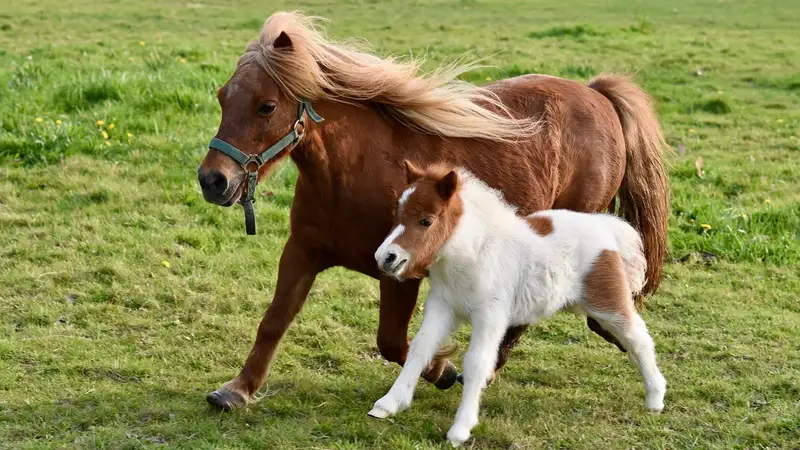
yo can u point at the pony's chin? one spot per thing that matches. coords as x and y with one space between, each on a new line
236 194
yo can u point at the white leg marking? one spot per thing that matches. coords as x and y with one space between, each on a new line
437 323
636 339
487 334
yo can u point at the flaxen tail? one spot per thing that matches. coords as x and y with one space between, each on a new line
643 196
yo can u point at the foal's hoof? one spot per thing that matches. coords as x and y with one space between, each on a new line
379 413
226 400
448 377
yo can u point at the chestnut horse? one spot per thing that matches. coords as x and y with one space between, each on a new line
544 142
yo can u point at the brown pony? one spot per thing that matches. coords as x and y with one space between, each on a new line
544 142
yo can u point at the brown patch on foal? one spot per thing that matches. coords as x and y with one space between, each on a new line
605 287
542 225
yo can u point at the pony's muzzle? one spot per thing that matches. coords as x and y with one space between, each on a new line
216 186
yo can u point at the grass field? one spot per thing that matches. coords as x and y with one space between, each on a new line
125 298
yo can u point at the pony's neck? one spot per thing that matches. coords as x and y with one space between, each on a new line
351 137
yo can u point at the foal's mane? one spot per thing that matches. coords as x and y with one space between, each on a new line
435 103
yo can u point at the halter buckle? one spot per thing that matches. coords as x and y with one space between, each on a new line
299 129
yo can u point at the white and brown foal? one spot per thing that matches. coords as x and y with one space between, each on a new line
494 269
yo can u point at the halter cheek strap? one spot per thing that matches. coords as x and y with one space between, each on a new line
252 163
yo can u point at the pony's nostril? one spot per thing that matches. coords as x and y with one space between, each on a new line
216 182
390 258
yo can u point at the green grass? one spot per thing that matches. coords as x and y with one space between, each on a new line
125 298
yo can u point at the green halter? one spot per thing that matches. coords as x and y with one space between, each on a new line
252 163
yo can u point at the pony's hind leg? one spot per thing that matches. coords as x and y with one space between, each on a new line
608 300
479 363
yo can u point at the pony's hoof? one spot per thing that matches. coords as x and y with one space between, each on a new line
379 413
226 400
448 377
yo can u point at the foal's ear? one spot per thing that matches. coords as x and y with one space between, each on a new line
283 41
447 186
412 173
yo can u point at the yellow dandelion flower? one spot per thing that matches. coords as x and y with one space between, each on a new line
779 121
165 264
100 123
767 201
692 131
141 43
39 120
105 135
182 61
705 226
111 126
58 122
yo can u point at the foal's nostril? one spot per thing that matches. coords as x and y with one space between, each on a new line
390 258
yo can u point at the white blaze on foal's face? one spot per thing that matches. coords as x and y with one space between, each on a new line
427 213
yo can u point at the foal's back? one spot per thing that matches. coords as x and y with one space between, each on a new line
577 257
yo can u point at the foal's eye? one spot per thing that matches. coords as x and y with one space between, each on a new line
425 222
266 108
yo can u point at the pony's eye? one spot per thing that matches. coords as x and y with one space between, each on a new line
425 222
266 108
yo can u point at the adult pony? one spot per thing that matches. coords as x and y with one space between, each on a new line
544 142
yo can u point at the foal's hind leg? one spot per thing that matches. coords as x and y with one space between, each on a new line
608 300
631 330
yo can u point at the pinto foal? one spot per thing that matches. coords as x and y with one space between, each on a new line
495 269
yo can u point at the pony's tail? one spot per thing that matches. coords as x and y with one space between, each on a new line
643 196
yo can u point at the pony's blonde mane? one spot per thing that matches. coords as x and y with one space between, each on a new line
436 103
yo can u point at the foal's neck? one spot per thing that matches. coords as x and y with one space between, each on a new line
486 217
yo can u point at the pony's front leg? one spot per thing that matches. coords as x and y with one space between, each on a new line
488 328
296 273
437 323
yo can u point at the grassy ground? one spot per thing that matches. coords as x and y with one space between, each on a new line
125 298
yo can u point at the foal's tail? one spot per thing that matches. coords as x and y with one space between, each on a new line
643 196
632 252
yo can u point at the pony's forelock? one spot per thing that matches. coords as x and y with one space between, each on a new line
436 103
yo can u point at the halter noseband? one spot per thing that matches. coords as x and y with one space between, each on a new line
251 163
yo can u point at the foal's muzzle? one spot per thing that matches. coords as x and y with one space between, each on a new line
392 261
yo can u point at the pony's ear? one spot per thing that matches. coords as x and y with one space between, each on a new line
283 41
447 186
412 173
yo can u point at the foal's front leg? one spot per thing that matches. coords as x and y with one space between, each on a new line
488 328
437 323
